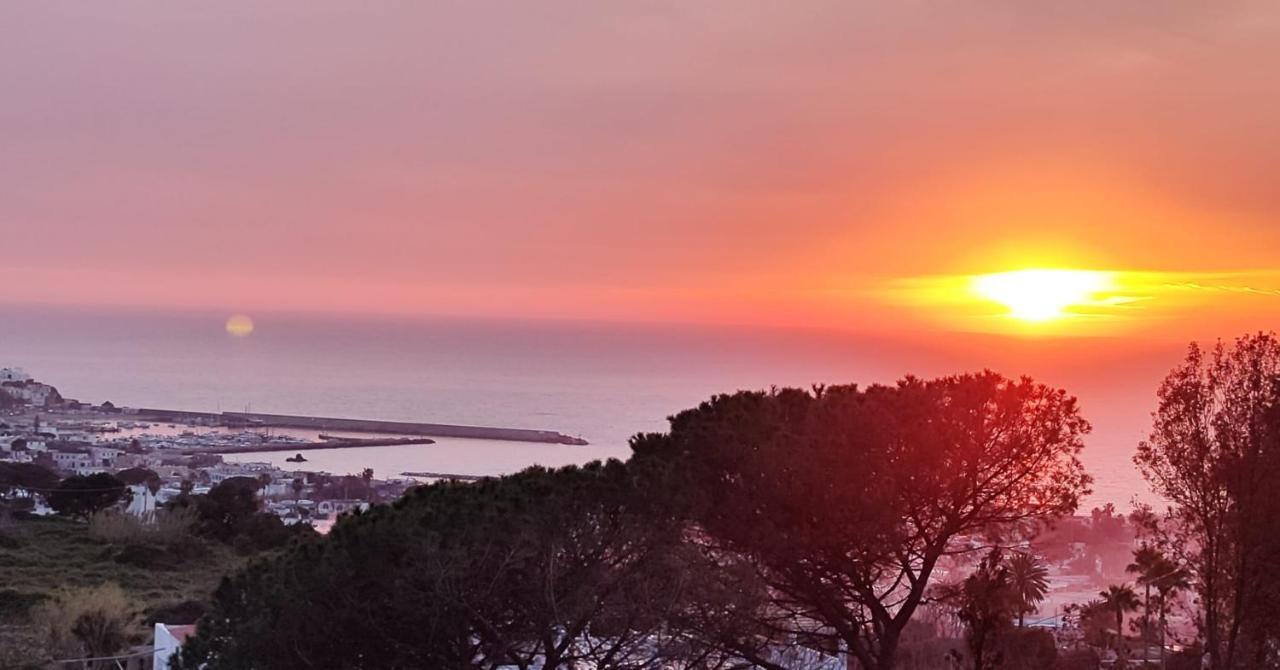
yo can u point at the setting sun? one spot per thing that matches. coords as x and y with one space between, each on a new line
1043 295
239 325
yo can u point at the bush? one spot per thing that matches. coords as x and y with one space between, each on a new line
181 613
1185 660
1077 659
16 605
97 621
929 654
163 527
1027 649
146 557
264 532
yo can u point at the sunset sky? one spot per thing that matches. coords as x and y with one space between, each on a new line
820 164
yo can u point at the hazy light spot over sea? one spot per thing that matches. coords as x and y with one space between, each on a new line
239 325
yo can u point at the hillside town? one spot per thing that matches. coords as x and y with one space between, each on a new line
163 461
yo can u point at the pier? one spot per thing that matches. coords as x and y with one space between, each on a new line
258 420
444 475
332 443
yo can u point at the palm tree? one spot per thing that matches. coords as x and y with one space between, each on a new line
1119 599
1170 579
1030 581
1147 566
1092 619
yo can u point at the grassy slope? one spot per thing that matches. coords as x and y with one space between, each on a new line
40 555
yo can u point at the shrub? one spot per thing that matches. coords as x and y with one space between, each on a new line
1027 649
9 541
147 557
162 527
1077 659
184 612
17 604
87 622
1185 660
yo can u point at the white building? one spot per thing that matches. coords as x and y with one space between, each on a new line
336 507
168 640
14 375
225 471
278 488
143 503
105 456
16 456
72 461
32 393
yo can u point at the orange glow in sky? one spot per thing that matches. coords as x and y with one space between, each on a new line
825 164
1069 302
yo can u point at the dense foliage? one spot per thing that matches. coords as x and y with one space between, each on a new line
770 527
229 513
25 478
550 567
843 500
1214 453
82 495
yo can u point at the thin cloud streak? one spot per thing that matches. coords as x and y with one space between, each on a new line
1132 301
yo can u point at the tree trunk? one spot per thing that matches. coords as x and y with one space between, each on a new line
1119 627
1146 625
885 660
1162 633
1210 604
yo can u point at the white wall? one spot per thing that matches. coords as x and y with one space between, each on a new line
166 645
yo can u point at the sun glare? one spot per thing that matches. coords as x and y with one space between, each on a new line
1043 295
239 325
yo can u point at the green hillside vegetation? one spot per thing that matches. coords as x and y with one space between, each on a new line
134 573
40 557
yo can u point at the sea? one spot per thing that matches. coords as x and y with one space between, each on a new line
602 381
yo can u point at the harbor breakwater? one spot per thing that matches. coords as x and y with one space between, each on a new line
333 443
259 420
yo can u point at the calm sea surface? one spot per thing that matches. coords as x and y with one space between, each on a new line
604 382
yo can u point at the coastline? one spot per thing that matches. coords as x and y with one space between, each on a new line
259 420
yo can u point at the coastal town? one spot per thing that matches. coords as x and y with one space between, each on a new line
161 461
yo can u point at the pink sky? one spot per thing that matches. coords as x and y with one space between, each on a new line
726 161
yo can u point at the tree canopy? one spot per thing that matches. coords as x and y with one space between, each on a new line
843 500
82 495
26 477
551 567
1214 454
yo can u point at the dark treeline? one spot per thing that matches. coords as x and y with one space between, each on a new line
786 529
764 529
